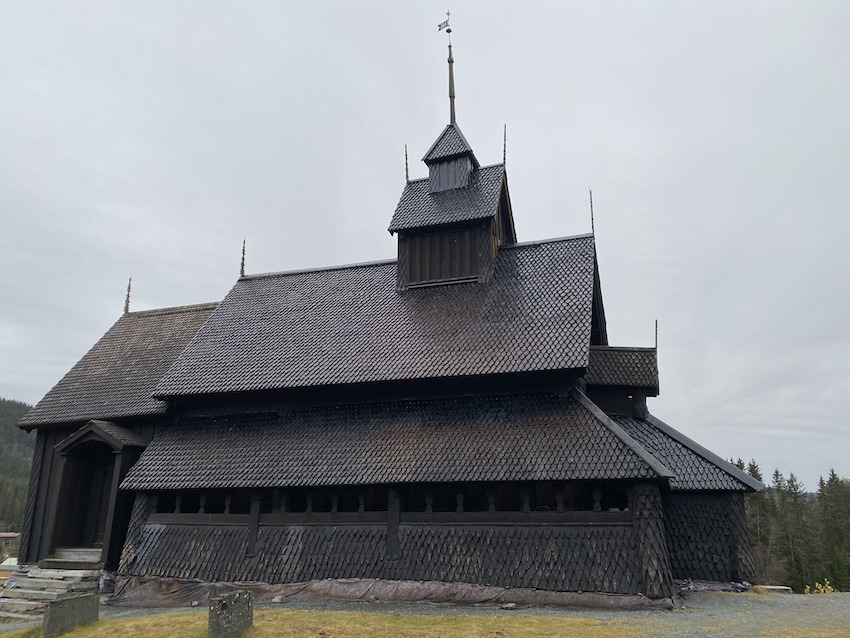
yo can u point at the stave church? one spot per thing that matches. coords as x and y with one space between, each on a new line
454 415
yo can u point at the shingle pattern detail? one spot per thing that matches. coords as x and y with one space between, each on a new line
648 518
117 376
142 507
122 435
701 536
502 438
633 367
450 144
561 558
419 208
693 472
349 325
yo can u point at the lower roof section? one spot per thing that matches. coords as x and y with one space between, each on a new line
526 437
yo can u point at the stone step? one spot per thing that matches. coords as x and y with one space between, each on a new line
79 554
60 563
22 606
14 616
33 594
66 584
71 575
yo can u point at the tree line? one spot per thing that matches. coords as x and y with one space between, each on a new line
15 461
799 538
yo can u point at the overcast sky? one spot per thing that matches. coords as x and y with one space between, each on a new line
149 138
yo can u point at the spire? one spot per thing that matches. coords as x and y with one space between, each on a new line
445 25
127 298
242 266
406 169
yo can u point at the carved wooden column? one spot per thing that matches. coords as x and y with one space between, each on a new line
650 540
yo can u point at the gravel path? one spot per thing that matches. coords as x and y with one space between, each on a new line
703 614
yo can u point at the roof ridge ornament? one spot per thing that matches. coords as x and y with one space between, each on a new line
127 298
242 265
445 25
592 225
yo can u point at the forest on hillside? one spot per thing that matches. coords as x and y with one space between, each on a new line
15 462
800 538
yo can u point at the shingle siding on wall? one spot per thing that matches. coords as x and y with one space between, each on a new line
558 558
705 537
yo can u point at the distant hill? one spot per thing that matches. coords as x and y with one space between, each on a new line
15 460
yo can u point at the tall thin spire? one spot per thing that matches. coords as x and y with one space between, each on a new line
127 298
406 169
592 225
505 145
447 26
242 266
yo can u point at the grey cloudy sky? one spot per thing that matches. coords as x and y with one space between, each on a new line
149 138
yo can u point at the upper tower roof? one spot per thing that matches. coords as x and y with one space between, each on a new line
451 143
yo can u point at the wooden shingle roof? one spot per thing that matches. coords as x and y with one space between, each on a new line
492 438
117 376
694 466
420 208
349 325
450 143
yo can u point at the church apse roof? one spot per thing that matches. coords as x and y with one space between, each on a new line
116 377
349 325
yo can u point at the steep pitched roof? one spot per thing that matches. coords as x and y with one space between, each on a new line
349 325
620 366
494 438
450 143
116 377
419 208
695 467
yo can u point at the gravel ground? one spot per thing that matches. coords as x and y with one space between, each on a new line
703 614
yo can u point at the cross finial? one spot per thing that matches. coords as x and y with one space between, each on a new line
127 298
242 266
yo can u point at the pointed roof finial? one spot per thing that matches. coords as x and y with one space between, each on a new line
656 334
592 226
406 169
242 266
505 145
445 25
127 298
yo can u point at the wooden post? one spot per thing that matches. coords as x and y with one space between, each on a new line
254 525
393 515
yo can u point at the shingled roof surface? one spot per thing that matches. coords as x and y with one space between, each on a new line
496 438
635 367
450 143
419 208
349 325
117 376
695 467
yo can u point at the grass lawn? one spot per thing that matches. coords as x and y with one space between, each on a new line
346 624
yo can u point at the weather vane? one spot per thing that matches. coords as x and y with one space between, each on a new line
445 25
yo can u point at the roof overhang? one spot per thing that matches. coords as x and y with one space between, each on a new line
104 432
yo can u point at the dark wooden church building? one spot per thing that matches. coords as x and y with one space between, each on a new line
456 414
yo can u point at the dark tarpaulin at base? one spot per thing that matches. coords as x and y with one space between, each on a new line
153 591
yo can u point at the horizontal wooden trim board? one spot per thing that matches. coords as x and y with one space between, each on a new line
418 518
